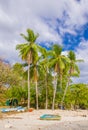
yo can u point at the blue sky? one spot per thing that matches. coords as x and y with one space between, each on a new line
64 22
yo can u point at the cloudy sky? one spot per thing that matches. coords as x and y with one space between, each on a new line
57 21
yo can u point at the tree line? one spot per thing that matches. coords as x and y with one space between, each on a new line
44 79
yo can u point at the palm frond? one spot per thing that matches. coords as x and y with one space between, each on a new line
71 55
57 49
80 60
25 37
31 36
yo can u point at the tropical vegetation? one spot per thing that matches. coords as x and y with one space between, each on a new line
44 78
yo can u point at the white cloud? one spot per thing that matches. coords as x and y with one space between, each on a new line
41 15
77 12
4 18
82 50
82 53
9 52
67 30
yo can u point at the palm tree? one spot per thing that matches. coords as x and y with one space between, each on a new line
58 62
28 52
44 66
73 70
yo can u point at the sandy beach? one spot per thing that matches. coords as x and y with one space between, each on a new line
70 120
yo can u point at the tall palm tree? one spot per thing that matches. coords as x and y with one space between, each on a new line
58 62
28 52
73 70
44 65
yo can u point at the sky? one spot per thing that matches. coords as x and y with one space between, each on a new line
64 22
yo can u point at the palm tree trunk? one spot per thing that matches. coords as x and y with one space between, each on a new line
46 92
28 86
54 92
65 91
36 95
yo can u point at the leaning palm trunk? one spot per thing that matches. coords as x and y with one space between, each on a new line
29 86
65 91
54 92
36 95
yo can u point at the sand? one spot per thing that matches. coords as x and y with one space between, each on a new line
70 120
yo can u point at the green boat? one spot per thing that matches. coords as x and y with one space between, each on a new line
50 117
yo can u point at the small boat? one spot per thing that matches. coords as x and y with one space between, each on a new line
19 108
50 117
